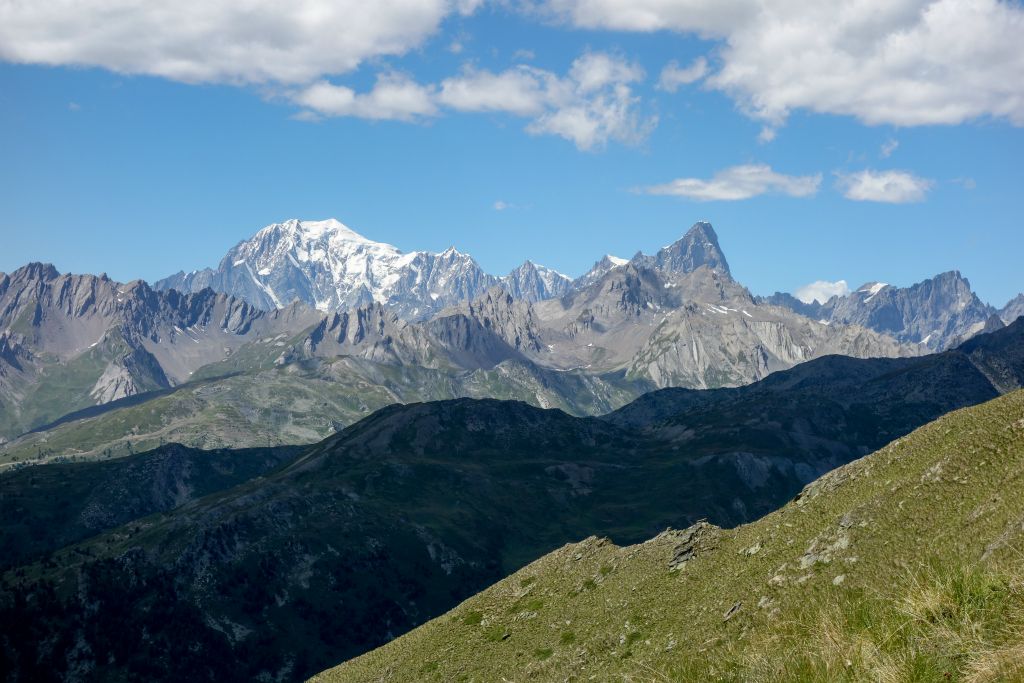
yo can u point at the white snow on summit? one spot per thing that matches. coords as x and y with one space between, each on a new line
328 265
872 289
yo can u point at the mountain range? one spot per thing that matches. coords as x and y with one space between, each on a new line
404 514
81 352
936 313
329 267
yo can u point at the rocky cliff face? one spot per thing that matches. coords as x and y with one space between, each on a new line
531 282
1013 309
693 329
708 345
936 313
70 341
697 248
598 271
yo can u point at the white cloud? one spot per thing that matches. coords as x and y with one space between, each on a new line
673 76
767 134
590 122
901 62
739 182
821 291
74 106
893 187
707 17
590 106
888 147
258 41
596 70
521 90
502 206
394 96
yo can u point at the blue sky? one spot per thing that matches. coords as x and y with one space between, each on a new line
162 154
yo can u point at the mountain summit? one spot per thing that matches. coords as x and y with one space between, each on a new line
698 247
1013 309
331 267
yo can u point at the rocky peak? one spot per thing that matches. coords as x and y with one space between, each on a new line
937 312
633 288
698 247
531 282
1013 309
602 266
43 272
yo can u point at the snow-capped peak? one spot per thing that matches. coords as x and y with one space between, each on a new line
331 230
871 289
328 265
617 260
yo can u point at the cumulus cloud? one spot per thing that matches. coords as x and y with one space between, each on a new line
893 187
821 291
394 97
591 105
908 62
888 147
596 70
521 90
259 41
590 122
298 50
738 182
673 76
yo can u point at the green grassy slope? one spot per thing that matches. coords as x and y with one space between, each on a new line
299 403
904 565
64 386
